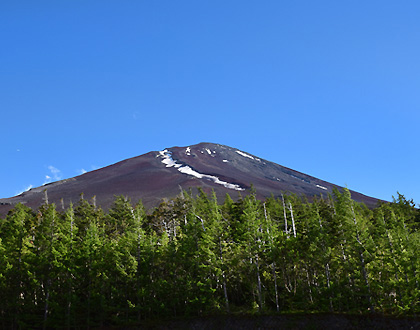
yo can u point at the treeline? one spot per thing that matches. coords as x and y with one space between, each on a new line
194 256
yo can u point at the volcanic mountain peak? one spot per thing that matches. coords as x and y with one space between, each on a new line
160 174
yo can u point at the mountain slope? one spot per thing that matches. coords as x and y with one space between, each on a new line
162 174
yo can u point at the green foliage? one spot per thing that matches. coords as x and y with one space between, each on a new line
192 256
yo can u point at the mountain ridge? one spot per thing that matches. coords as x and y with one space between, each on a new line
161 174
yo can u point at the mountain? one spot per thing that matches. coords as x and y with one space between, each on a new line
162 174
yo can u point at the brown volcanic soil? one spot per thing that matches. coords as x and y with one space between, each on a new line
145 177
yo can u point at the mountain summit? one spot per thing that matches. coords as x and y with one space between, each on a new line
162 174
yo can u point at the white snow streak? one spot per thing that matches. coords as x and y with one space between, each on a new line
322 187
169 162
244 154
188 170
167 159
188 151
208 151
225 161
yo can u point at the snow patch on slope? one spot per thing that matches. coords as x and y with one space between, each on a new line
322 187
167 159
210 152
169 162
246 155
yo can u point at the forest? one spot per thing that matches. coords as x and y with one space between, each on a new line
194 255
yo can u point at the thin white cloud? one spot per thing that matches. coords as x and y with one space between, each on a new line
22 191
47 180
81 171
55 175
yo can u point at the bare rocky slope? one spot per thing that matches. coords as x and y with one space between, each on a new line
162 174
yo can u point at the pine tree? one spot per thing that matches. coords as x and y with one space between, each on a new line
253 242
18 300
354 225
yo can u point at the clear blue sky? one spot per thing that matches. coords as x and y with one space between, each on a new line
328 88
